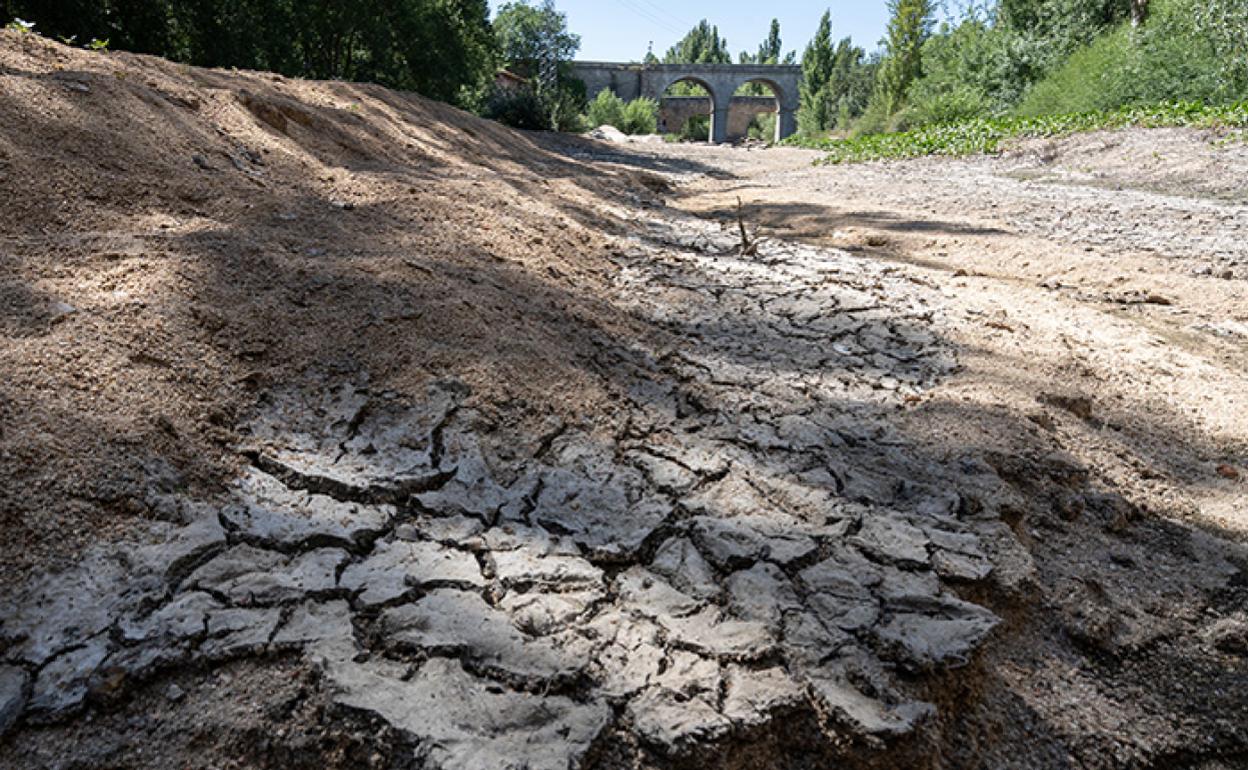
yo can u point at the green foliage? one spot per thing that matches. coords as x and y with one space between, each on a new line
20 25
696 129
606 109
535 42
640 116
771 50
959 75
701 45
518 108
444 49
770 53
1171 57
98 45
1224 25
836 82
987 135
815 114
843 96
908 29
763 127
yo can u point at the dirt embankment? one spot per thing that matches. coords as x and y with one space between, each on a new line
175 240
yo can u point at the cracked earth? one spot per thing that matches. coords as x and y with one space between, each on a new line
729 551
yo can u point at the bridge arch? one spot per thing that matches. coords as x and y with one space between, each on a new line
677 109
630 81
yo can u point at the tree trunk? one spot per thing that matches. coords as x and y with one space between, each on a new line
1139 12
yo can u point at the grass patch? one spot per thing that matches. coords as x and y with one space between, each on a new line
985 135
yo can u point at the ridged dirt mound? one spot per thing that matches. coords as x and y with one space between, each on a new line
175 240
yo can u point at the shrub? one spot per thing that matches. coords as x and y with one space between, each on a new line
606 109
1170 58
640 116
983 135
696 129
516 108
763 127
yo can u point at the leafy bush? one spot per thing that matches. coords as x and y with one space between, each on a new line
695 129
606 109
1169 58
763 127
986 135
640 116
518 108
960 71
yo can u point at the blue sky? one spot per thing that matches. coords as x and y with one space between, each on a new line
620 30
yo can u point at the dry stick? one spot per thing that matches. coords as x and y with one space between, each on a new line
749 247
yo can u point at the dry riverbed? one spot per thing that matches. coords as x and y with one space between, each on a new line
395 439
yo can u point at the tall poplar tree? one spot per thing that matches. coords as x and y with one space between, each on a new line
908 29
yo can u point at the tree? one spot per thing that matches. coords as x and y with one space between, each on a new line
702 45
444 49
771 49
814 115
534 40
536 43
908 29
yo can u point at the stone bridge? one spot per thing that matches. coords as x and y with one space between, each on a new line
632 81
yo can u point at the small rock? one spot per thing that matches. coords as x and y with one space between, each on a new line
681 563
407 532
63 684
329 622
244 631
59 310
1228 472
202 162
729 544
673 723
175 694
1230 635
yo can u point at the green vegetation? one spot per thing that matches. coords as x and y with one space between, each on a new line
535 43
908 29
701 45
986 135
1015 68
1003 68
444 49
836 82
640 116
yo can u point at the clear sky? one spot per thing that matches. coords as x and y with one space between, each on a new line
620 30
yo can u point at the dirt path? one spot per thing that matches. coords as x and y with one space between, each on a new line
560 478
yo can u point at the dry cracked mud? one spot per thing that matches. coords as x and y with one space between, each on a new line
731 546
